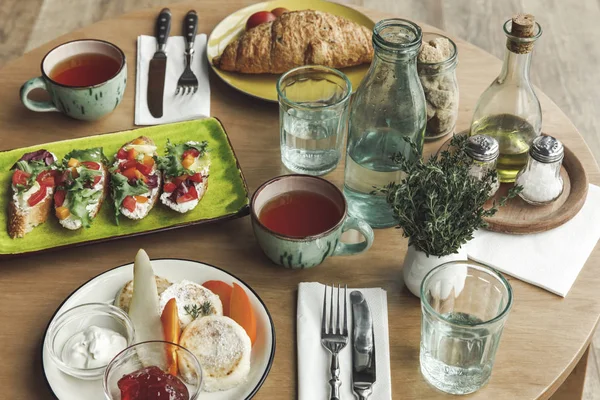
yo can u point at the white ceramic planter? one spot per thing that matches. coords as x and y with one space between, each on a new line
417 265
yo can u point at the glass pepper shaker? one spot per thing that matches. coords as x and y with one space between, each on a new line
540 179
484 151
509 109
436 64
388 107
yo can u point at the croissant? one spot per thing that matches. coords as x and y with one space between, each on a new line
298 38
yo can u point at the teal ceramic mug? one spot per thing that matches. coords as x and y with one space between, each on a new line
85 102
309 251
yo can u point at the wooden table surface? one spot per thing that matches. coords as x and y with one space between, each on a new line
545 335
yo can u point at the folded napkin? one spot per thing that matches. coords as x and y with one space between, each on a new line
175 107
314 360
552 259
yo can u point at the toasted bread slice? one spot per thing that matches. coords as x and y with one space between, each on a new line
223 349
123 298
193 300
74 223
188 205
21 220
146 146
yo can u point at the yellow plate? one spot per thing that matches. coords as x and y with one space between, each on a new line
263 85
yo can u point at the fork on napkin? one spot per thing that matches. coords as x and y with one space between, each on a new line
176 107
313 359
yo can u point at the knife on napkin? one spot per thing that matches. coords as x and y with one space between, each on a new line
158 65
363 347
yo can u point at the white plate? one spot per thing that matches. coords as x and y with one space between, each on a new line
104 287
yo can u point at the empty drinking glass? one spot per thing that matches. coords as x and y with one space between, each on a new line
464 307
313 104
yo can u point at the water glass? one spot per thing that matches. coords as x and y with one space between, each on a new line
313 106
464 307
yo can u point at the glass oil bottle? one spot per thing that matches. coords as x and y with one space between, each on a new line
509 110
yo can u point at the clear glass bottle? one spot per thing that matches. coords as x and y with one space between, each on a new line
484 151
440 86
509 110
388 107
540 179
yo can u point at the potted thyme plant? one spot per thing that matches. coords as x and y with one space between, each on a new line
438 206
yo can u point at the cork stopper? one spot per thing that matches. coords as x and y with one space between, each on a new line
522 26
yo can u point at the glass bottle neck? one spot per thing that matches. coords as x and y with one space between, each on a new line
515 68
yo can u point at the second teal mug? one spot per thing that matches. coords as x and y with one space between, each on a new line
86 102
308 251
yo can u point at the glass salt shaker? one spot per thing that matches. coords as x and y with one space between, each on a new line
484 151
436 64
540 179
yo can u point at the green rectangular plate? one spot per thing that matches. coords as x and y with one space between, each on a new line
226 197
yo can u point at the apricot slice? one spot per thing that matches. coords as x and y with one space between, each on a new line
241 311
170 323
223 290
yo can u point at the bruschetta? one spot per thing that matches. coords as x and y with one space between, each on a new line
185 170
81 187
32 189
135 179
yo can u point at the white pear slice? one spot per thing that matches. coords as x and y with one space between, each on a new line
144 310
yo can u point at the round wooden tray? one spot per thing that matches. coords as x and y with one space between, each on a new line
519 218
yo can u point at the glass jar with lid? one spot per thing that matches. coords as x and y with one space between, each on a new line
540 179
388 108
436 64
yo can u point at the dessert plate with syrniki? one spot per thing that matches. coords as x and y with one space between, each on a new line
205 310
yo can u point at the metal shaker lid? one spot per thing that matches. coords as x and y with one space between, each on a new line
482 148
546 149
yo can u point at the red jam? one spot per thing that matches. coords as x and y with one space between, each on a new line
152 383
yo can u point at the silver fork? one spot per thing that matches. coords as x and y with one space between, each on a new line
334 337
188 83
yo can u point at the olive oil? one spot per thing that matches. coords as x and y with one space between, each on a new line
514 136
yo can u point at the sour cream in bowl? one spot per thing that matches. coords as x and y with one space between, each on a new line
84 339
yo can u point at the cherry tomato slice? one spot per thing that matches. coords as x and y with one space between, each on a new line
20 177
180 179
128 164
96 180
192 194
169 187
197 177
144 169
37 196
193 152
122 154
91 165
279 11
59 198
46 178
129 203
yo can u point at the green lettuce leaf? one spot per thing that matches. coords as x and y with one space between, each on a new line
121 188
171 164
94 154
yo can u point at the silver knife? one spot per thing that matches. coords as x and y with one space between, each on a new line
158 65
363 347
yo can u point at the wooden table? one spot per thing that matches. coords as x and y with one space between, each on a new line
544 339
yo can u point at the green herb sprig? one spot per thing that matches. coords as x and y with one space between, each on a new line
438 204
196 311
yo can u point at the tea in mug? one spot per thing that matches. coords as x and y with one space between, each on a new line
86 69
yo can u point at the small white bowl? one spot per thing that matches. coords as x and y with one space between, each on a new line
76 320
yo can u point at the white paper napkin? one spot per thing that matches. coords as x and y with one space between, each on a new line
314 359
175 107
551 260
